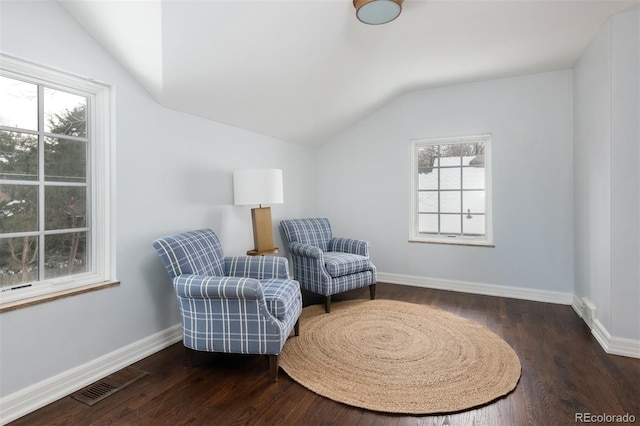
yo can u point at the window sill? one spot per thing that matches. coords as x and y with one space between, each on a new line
36 300
456 243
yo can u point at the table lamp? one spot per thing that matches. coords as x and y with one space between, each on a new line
259 186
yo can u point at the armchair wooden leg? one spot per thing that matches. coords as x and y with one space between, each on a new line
327 304
273 368
372 291
296 328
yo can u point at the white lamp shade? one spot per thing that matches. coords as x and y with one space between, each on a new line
257 186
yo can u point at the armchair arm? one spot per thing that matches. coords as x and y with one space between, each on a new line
305 250
258 267
210 287
349 245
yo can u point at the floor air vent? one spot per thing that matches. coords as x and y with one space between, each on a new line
108 386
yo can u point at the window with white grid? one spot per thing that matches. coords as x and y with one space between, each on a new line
54 183
451 190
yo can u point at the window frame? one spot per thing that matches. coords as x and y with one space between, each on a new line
414 234
101 245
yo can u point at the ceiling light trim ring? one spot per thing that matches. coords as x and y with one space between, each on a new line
377 12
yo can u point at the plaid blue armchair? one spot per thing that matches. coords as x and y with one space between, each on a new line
326 265
241 304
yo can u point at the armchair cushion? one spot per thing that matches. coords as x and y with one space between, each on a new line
339 264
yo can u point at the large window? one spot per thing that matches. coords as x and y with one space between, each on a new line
451 190
54 192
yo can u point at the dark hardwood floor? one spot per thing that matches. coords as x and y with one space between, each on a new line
564 372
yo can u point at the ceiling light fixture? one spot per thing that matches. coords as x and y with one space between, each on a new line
376 12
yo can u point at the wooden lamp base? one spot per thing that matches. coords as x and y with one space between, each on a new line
262 232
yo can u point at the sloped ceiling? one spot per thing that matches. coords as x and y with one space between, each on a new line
305 70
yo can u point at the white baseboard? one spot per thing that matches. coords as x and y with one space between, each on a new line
479 288
40 394
584 308
611 344
615 345
576 304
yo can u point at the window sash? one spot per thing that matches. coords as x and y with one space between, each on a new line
99 246
446 210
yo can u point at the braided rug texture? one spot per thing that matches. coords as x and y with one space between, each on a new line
399 357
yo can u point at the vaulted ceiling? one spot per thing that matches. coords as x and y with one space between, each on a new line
305 70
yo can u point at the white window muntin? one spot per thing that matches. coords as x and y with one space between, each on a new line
449 222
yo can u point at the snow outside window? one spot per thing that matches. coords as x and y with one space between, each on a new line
451 190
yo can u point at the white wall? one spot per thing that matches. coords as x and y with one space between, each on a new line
607 197
364 178
173 173
625 175
592 171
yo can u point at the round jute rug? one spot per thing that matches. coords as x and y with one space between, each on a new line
399 357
